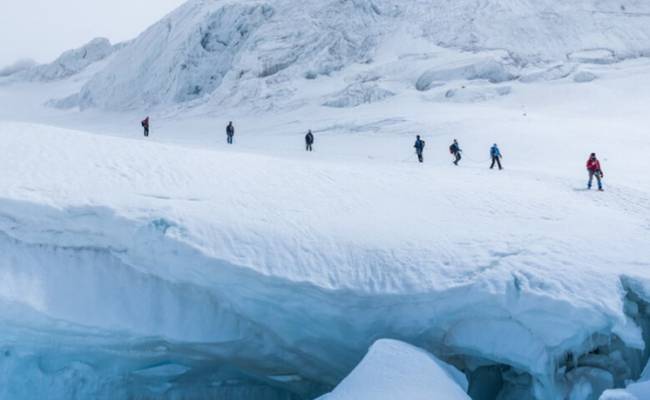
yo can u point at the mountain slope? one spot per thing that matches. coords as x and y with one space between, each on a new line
238 52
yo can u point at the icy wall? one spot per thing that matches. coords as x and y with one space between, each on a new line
258 53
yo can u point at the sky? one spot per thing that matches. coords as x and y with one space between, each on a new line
43 29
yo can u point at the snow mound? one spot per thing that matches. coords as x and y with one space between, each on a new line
634 391
618 394
596 56
358 94
474 94
71 62
549 74
393 370
584 77
489 70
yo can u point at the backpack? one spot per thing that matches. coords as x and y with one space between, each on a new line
452 148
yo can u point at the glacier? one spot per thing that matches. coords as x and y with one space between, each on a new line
178 268
256 54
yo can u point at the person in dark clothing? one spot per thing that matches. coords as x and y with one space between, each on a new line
309 141
419 148
145 125
230 132
455 150
593 167
495 153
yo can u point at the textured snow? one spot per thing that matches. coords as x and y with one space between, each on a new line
256 54
176 267
489 70
358 94
394 370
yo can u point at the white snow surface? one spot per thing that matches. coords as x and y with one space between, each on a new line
393 370
178 267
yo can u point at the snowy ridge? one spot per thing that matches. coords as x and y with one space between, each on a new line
69 63
163 252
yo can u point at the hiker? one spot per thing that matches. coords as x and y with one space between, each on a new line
419 148
495 153
593 167
230 132
145 125
455 150
309 140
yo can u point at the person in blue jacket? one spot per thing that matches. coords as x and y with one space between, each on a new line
495 153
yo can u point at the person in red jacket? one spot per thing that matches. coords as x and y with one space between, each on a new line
593 167
145 125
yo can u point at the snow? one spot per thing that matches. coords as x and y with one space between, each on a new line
16 67
255 54
179 267
490 70
393 369
71 62
584 76
358 94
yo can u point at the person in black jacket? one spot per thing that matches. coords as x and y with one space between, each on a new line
419 148
145 125
230 132
309 141
455 150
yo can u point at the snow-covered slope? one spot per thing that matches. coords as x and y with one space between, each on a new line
394 370
177 268
267 54
269 276
71 62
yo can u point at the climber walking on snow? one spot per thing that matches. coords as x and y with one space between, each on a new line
309 141
419 148
495 153
145 126
593 167
230 132
455 150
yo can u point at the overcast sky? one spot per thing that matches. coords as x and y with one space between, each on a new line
42 29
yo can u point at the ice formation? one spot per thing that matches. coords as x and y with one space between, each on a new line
236 52
175 268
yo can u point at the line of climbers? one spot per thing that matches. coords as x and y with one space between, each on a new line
593 164
456 152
